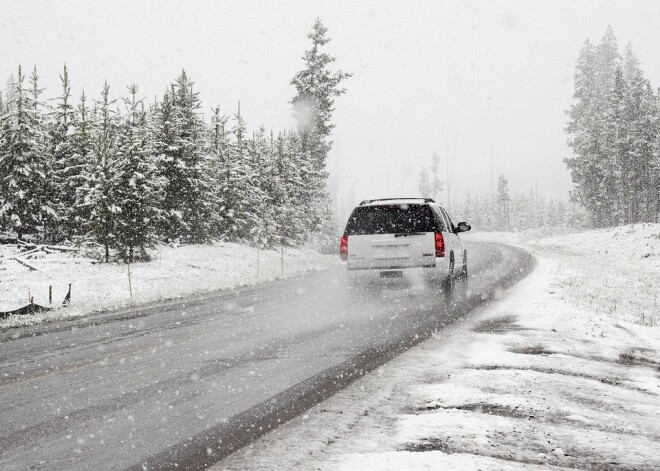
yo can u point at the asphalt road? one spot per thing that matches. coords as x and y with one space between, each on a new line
183 384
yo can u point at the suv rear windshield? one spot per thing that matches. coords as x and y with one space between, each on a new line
391 219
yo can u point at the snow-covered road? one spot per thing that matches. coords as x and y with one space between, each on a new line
549 376
190 382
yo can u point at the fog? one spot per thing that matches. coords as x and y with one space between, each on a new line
486 82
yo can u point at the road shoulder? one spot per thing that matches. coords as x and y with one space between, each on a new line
177 274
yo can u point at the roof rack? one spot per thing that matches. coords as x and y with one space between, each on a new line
426 200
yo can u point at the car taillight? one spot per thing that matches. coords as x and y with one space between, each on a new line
439 245
343 248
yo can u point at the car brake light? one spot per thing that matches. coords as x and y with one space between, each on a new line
343 248
439 245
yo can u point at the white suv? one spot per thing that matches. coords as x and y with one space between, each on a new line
404 238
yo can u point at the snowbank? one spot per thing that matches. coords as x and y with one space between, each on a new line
635 241
174 272
613 272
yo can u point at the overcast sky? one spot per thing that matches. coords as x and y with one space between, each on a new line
490 79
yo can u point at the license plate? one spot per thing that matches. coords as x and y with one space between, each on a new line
391 274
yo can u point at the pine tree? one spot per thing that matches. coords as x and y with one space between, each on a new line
78 216
101 178
562 214
294 175
180 145
503 200
316 89
285 185
607 60
265 232
217 162
48 212
169 169
641 114
583 135
138 190
613 163
552 217
240 217
23 204
436 183
10 96
66 167
6 166
654 170
424 183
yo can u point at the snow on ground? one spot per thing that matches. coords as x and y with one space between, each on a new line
536 380
614 272
174 272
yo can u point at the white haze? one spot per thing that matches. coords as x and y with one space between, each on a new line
489 81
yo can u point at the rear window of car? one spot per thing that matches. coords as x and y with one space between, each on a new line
391 219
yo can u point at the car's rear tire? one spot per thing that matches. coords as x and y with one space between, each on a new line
448 286
461 286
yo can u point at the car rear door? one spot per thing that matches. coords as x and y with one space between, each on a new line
453 242
391 236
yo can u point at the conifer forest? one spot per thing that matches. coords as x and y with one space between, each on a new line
614 132
120 172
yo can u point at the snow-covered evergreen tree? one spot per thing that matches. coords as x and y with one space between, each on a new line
435 182
217 156
614 155
641 114
612 131
23 162
101 176
180 146
66 166
424 183
138 189
285 184
583 130
240 216
654 172
317 86
265 231
607 60
503 200
296 224
82 178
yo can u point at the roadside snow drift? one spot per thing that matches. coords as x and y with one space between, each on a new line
173 273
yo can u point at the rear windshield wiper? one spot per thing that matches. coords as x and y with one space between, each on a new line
406 234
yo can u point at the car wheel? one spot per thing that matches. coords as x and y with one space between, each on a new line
448 285
461 287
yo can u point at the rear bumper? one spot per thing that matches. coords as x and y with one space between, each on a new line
353 268
433 263
390 275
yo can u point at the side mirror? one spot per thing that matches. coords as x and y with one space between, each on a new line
463 227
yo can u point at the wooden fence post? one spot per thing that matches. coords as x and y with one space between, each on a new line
130 286
258 251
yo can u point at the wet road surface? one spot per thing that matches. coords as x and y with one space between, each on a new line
183 384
